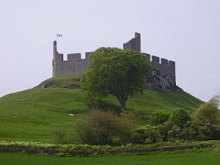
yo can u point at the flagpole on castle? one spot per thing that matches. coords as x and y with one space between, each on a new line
59 35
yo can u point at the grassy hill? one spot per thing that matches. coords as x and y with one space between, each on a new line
34 114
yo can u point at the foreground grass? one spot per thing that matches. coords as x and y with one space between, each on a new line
194 155
186 157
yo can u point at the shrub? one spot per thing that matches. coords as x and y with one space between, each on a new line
149 134
127 123
174 133
159 117
60 135
101 127
180 117
164 130
207 111
138 136
97 127
200 130
215 100
152 134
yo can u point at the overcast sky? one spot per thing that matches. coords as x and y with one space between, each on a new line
185 31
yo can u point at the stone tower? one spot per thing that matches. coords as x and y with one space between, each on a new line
134 43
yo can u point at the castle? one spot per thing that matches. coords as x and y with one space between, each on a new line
76 65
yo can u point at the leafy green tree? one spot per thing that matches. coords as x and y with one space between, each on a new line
117 72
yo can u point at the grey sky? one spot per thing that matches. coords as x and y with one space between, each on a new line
185 31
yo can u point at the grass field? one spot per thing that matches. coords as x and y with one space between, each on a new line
34 114
187 157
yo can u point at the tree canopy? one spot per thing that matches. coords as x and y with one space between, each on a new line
117 72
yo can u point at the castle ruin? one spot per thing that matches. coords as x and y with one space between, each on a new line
76 65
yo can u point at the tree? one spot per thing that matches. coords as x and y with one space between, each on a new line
117 72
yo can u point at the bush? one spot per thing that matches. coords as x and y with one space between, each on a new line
97 127
149 134
200 130
174 133
164 129
127 123
159 117
152 134
180 117
101 127
138 136
207 111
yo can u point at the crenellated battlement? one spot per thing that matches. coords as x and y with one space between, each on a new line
76 65
78 56
166 67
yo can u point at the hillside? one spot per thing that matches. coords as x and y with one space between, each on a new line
34 114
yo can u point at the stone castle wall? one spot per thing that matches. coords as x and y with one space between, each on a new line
164 66
73 65
76 65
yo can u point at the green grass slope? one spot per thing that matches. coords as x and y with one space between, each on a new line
34 114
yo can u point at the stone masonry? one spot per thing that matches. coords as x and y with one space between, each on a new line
76 65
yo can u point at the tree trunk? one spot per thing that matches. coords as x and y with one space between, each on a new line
123 103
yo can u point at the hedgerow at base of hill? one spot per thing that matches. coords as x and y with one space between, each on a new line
85 149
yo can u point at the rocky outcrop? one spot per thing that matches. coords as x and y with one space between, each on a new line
157 81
